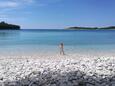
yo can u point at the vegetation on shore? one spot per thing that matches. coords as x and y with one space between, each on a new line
92 28
6 26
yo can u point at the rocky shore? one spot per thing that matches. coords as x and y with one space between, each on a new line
64 71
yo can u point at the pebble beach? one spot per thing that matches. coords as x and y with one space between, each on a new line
57 70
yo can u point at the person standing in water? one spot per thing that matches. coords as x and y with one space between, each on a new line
61 46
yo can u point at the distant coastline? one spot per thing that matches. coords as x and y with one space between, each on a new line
6 26
91 28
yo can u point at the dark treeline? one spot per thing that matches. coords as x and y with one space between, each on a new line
92 28
6 26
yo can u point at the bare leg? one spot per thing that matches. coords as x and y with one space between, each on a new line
63 52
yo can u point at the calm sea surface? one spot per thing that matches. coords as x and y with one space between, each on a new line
47 41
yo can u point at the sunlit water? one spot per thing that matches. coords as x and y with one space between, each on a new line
26 42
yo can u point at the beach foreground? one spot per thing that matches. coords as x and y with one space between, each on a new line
59 71
65 70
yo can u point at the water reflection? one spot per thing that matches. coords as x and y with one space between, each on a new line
6 34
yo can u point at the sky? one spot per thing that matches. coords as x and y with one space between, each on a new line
58 14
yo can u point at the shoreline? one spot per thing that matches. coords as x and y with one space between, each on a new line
56 55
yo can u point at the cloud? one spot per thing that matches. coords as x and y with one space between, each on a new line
14 3
16 9
9 7
22 3
7 4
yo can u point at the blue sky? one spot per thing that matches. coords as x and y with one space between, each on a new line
54 14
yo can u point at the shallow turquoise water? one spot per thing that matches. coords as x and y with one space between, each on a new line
48 40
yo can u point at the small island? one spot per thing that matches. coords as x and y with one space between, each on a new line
92 28
6 26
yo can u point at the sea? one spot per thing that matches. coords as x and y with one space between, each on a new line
46 41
